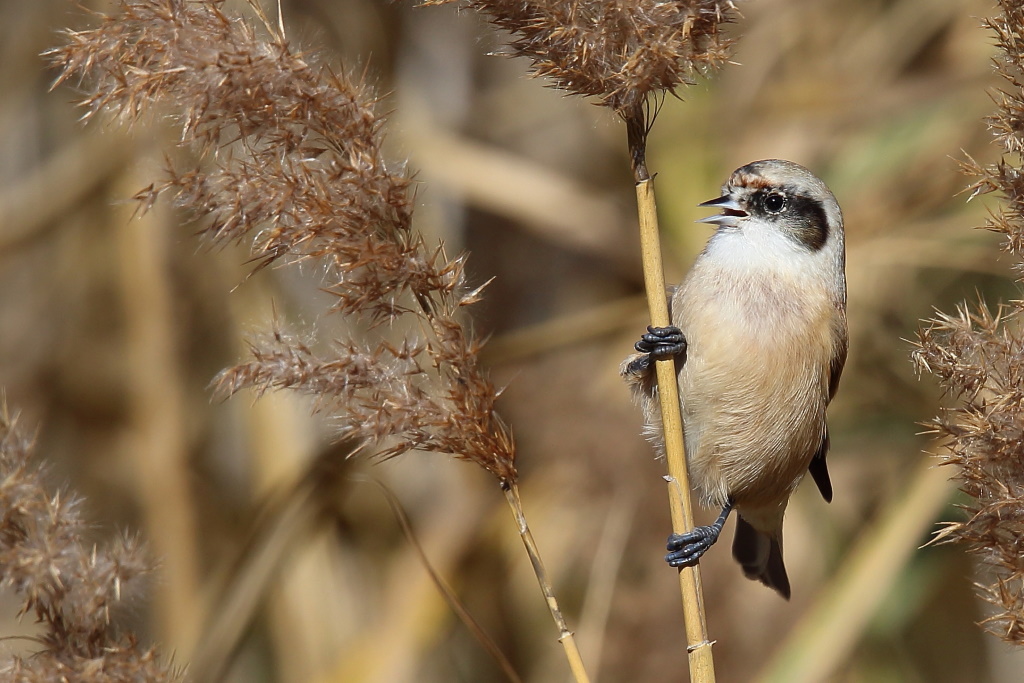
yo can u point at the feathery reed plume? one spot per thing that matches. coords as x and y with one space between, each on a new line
68 584
296 166
628 54
619 51
291 159
976 356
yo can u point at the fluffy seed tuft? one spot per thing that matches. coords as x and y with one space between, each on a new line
618 51
977 354
291 161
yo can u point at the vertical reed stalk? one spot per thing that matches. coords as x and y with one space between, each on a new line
565 636
158 425
698 646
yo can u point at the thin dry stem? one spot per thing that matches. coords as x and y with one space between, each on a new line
565 636
698 644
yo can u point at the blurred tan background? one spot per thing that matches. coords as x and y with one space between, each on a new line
112 327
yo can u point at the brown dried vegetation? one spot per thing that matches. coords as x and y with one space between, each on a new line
977 356
290 158
875 70
620 52
69 586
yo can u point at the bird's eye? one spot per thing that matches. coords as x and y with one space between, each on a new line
775 202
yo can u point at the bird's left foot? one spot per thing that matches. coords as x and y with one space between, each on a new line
685 550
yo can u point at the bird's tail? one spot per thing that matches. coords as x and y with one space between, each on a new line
761 556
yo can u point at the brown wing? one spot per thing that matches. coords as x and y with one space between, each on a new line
835 366
819 470
819 467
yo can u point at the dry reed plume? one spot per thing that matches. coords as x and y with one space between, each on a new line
619 51
69 585
292 161
976 354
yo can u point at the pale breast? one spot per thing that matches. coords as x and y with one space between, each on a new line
754 385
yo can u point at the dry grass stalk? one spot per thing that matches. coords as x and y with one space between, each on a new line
976 355
69 585
291 159
628 54
698 643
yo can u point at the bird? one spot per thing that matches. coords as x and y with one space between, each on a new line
759 339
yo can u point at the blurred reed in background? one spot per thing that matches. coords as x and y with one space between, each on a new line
976 356
112 327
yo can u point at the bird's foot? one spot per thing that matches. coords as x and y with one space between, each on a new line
662 343
685 550
658 343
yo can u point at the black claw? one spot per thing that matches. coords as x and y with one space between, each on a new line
685 550
662 343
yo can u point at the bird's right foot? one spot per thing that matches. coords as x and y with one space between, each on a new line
685 550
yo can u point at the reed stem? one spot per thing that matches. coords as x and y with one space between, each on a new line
565 636
698 646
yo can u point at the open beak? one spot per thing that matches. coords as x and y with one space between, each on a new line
731 214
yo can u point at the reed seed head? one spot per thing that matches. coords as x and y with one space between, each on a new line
618 51
977 354
291 162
